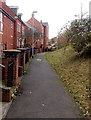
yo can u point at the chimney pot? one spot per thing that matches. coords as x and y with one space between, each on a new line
32 15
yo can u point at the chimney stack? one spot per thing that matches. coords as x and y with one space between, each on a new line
20 15
14 9
32 15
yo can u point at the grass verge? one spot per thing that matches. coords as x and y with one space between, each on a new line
73 71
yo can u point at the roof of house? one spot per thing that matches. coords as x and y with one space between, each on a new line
8 15
31 27
8 12
37 24
7 9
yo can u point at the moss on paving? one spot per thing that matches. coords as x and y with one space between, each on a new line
73 71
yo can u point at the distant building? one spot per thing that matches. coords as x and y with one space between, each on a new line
43 27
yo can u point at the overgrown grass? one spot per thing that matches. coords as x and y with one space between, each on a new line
74 73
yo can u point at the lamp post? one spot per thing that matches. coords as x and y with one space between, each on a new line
33 32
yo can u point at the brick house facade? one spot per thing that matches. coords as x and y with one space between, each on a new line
7 22
13 37
13 41
11 28
43 27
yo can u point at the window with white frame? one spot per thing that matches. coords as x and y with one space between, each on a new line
18 42
1 24
23 42
19 27
0 17
1 27
22 30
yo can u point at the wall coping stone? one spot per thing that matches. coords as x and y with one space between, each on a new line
23 49
11 51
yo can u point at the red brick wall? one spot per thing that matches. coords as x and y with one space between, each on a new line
5 70
10 35
1 46
37 24
44 30
46 36
7 9
8 32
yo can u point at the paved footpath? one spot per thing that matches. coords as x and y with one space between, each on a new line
43 95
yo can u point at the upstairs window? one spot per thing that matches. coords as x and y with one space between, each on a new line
1 24
1 27
22 30
19 27
17 41
0 17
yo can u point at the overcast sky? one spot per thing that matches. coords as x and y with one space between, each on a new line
55 12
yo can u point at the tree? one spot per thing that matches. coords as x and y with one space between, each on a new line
30 38
79 35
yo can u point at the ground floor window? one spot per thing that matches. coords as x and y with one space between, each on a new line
1 26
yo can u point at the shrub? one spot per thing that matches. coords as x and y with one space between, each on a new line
79 35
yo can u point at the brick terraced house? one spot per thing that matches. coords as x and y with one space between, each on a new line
16 39
12 29
43 27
